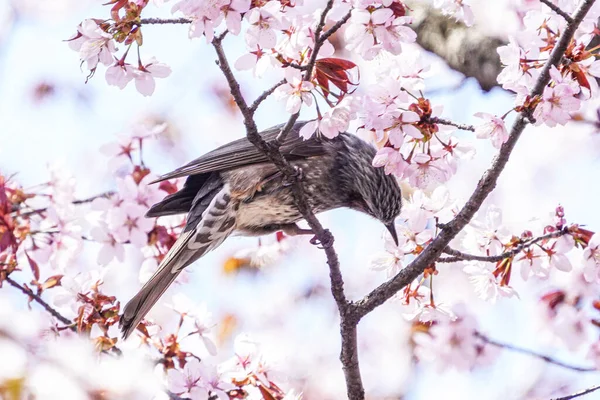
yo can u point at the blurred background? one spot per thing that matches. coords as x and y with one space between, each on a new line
50 117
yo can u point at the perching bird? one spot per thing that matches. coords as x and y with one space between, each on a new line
236 189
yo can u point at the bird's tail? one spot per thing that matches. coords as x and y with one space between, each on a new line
178 257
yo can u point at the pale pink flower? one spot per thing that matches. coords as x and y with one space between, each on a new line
93 44
188 381
143 193
402 126
201 317
233 14
493 128
427 313
129 224
591 260
258 61
530 263
510 57
119 74
558 101
454 344
334 121
485 284
390 260
264 21
424 172
119 152
487 236
110 249
391 160
295 92
459 9
145 74
556 256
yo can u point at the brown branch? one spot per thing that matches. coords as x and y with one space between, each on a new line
75 202
264 96
578 394
348 320
443 121
557 10
528 352
41 301
460 256
486 184
163 21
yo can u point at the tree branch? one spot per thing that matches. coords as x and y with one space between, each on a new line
40 301
486 184
557 10
578 394
460 256
443 121
75 202
163 21
348 320
543 357
264 96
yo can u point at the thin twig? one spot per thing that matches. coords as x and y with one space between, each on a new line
443 121
460 256
163 21
485 186
40 301
264 96
578 394
75 202
557 10
531 353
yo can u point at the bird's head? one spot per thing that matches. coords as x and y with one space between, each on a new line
384 201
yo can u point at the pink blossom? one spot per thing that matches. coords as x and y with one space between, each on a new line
370 31
424 172
454 344
556 253
558 101
402 126
110 249
188 381
233 14
493 128
93 44
485 285
529 262
591 260
457 8
145 74
391 160
201 318
263 23
141 193
334 121
119 74
129 224
258 61
295 92
390 260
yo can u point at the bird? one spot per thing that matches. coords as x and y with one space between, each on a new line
236 189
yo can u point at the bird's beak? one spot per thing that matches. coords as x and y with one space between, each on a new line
392 229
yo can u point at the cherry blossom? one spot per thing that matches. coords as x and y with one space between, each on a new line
93 44
111 248
493 128
591 260
391 159
129 223
145 74
485 283
557 102
295 92
457 8
454 344
264 21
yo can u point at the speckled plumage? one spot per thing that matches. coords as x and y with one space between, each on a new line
235 189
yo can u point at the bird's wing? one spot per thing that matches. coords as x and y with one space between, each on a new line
218 221
241 152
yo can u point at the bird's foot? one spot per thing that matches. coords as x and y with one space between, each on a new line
326 240
298 175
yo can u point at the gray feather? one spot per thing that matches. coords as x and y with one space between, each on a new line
216 224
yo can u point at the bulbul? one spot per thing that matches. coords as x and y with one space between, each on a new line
236 189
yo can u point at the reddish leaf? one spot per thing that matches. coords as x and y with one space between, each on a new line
168 186
54 280
35 269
